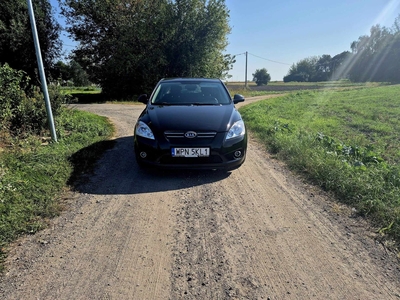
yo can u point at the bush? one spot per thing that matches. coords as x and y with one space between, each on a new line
12 86
22 106
300 77
261 77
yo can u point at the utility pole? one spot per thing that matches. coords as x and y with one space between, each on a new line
245 74
41 72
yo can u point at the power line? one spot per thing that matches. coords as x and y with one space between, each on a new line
247 53
278 62
270 60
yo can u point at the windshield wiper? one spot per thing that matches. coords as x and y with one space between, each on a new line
162 103
202 103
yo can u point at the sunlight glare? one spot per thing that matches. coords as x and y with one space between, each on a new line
388 14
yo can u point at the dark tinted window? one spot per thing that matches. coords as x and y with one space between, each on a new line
191 92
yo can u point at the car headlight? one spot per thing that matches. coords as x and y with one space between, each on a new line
143 130
236 130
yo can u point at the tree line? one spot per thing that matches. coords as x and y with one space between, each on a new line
128 45
125 46
373 57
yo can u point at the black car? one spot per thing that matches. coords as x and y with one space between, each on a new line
190 123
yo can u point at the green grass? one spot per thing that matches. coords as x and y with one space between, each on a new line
33 176
338 83
81 90
249 93
280 87
344 140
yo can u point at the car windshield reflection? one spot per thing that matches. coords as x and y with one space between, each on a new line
197 93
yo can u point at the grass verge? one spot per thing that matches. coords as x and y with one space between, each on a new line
34 175
279 87
345 141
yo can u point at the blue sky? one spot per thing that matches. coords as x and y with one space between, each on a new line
277 34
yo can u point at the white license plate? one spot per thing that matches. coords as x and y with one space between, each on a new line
190 152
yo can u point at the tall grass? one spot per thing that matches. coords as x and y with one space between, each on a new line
346 141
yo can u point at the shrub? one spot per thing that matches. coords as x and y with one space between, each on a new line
261 77
12 86
22 106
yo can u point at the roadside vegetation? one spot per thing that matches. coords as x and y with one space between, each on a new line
34 171
81 90
343 140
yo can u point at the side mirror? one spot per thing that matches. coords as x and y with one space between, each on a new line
143 99
238 98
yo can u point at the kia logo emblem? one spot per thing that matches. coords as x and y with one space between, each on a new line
190 134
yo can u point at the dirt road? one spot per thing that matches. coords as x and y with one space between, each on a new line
255 233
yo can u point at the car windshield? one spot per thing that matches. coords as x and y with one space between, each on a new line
191 93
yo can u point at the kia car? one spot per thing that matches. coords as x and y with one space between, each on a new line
190 123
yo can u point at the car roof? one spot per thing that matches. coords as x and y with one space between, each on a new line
190 79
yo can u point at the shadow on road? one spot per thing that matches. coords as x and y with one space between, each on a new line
117 172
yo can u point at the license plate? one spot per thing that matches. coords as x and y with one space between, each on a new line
190 152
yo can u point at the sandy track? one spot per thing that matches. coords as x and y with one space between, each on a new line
255 233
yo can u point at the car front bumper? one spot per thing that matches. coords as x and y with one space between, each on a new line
228 156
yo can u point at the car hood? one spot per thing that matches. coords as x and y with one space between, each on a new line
201 118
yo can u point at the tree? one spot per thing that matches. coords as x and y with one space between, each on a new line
199 39
323 68
340 65
303 71
16 41
261 77
127 48
78 74
376 56
71 72
61 71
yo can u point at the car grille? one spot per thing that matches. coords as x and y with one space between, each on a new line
180 135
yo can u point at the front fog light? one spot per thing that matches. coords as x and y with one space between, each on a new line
237 154
143 154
